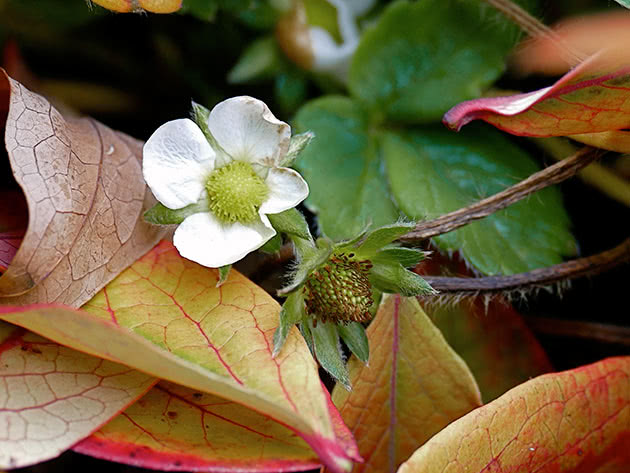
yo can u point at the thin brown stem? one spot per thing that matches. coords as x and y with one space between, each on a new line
603 333
588 266
552 175
535 28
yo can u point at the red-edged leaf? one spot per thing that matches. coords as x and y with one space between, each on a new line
577 421
414 385
592 98
165 316
52 396
176 428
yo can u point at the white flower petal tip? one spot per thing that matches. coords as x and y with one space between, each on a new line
247 130
286 190
177 159
205 240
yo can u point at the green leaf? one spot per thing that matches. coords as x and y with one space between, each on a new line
393 278
380 237
421 58
292 312
273 245
624 3
328 351
291 222
406 257
433 171
343 169
355 338
224 273
161 215
260 60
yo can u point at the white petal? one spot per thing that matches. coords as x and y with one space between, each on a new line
286 190
247 130
330 57
177 159
204 239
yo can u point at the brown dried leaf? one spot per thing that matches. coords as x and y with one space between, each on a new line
85 194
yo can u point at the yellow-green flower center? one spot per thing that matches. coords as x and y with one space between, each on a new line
340 291
236 192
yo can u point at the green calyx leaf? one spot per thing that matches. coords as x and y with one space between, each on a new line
406 257
161 215
298 143
353 335
200 116
292 313
291 222
224 273
393 278
325 340
311 257
380 237
273 245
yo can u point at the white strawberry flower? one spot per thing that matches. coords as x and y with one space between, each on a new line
235 182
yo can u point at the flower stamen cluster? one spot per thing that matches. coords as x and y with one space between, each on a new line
340 291
236 192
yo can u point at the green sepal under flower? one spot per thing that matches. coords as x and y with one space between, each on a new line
334 285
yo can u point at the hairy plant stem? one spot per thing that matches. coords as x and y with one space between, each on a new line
580 267
548 176
603 333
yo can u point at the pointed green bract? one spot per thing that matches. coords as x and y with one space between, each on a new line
298 144
273 245
161 215
292 313
393 278
353 335
380 237
406 257
291 222
224 273
325 341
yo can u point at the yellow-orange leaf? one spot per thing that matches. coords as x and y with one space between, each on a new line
165 316
577 421
174 427
51 396
414 385
153 6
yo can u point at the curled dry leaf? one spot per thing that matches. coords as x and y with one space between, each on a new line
177 428
165 316
85 193
592 98
52 396
414 386
587 34
577 421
